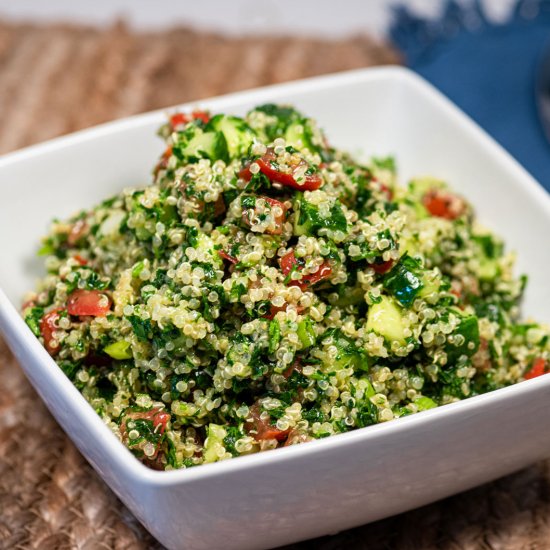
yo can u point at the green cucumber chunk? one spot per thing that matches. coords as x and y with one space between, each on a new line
385 319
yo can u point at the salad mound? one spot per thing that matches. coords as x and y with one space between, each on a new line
267 289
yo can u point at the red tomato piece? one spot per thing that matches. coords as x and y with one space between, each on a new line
27 304
538 369
324 272
288 261
48 325
388 192
78 230
245 173
179 119
219 207
88 302
278 220
226 256
201 115
262 428
443 204
163 163
157 416
160 419
80 259
294 367
268 167
382 267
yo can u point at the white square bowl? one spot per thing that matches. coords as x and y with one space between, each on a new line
337 483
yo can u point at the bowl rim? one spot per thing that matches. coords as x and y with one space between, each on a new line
120 456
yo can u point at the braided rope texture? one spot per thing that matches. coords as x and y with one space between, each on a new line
57 79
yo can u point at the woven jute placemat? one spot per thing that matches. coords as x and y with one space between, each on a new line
57 79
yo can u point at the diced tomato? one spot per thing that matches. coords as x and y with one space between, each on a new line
80 259
219 207
268 167
226 256
245 173
262 428
201 115
88 302
78 230
160 419
179 119
324 272
387 191
28 304
273 310
288 261
163 163
48 325
294 367
157 416
382 267
538 369
443 204
482 359
278 220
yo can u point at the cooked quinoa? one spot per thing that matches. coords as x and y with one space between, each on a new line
267 290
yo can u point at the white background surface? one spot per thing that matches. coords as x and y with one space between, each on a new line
320 18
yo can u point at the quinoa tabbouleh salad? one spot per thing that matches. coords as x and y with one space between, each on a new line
267 290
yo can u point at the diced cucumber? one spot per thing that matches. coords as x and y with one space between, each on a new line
214 443
489 244
299 135
425 403
431 284
385 319
408 244
194 144
488 269
119 350
238 135
348 355
306 332
420 210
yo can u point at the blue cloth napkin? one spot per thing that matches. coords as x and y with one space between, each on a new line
487 69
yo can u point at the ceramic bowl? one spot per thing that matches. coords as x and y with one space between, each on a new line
325 486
